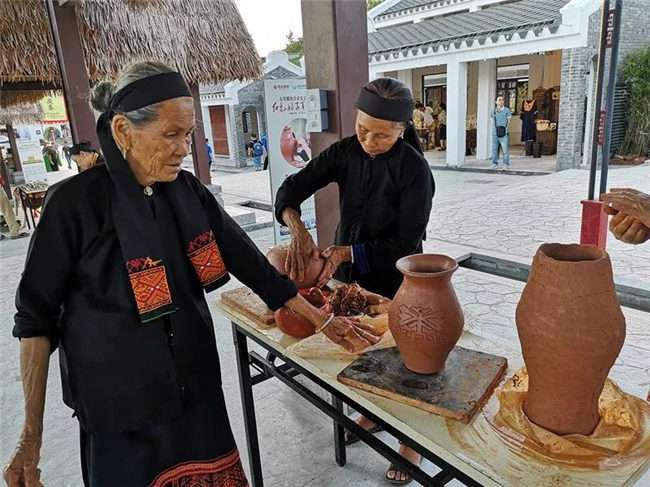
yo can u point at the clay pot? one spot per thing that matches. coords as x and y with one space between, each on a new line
425 317
571 330
277 256
293 324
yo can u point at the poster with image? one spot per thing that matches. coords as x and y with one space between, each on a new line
31 157
289 143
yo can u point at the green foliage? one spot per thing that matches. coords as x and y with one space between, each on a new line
295 48
635 73
373 3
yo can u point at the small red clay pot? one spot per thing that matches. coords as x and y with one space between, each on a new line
571 330
425 317
293 324
277 256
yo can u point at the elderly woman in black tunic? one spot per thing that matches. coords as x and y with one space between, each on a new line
137 243
385 194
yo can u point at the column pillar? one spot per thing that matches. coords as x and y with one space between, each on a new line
14 147
456 112
199 149
406 77
72 66
330 29
487 92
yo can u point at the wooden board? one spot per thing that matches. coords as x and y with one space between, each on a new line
457 392
247 302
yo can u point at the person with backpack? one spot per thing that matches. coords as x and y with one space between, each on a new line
265 142
256 150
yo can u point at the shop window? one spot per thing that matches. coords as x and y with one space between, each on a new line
512 84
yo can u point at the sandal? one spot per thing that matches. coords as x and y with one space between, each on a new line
394 481
352 438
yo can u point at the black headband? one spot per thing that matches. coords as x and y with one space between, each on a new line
80 147
384 108
149 91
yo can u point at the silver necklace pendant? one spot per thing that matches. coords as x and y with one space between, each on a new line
148 191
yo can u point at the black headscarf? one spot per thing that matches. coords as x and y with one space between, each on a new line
395 110
135 225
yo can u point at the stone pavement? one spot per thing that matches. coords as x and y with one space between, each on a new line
493 214
518 162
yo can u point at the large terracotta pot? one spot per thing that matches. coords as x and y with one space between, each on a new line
571 330
425 317
277 256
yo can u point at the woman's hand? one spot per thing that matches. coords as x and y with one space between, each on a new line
351 334
630 201
22 470
302 248
348 333
335 256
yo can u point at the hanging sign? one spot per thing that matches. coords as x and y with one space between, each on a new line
54 109
289 143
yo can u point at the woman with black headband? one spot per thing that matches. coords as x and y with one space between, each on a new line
385 194
85 156
138 242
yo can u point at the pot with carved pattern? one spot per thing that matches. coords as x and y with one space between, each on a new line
425 317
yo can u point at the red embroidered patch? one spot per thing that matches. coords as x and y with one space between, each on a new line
225 471
149 285
206 258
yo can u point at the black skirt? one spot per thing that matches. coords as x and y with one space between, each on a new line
195 448
442 131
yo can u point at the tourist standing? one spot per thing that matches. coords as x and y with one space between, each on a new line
256 151
500 117
442 126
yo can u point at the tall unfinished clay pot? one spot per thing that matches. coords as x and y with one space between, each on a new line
425 317
571 330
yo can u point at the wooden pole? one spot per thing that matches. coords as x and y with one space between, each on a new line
336 55
14 147
72 65
199 149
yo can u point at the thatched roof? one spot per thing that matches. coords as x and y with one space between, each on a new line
21 114
11 98
205 40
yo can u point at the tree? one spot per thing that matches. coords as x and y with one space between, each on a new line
295 48
373 3
635 73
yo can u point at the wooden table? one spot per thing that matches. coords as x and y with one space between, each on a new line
472 453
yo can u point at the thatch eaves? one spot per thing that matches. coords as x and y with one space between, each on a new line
205 40
21 114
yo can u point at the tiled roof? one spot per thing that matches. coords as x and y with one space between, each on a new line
508 20
414 4
213 89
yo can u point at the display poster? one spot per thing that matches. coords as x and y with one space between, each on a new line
289 144
31 157
53 109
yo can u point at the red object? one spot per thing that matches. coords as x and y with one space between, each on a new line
594 224
293 324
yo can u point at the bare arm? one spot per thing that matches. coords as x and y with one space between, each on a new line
34 364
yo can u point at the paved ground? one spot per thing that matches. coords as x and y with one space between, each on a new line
518 161
493 214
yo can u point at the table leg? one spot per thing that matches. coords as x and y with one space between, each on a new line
339 435
22 200
248 405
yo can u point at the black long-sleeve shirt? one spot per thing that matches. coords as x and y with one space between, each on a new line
120 374
385 205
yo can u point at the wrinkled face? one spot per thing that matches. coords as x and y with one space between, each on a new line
500 102
155 152
376 135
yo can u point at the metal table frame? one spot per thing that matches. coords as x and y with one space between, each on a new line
286 372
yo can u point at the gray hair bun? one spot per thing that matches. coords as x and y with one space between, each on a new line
101 94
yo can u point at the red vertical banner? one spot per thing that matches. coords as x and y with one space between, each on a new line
601 127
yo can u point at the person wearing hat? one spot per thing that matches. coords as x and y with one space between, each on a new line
85 156
385 193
